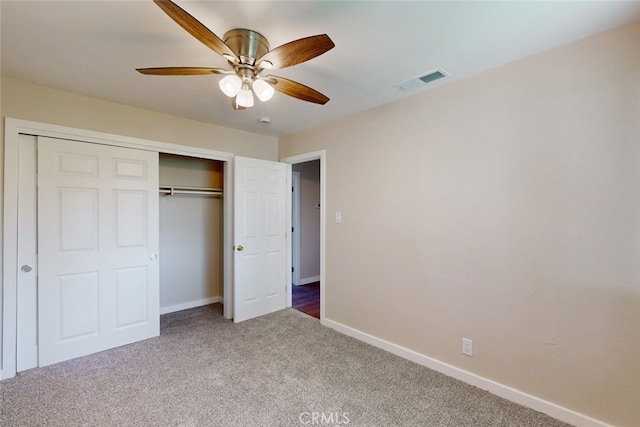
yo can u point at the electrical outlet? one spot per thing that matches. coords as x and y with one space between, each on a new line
467 346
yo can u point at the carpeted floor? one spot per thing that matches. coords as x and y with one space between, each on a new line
283 369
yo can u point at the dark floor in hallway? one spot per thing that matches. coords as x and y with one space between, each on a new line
306 298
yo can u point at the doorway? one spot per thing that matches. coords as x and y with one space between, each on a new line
308 220
306 237
191 226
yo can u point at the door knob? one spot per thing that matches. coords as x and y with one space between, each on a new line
240 248
26 268
153 257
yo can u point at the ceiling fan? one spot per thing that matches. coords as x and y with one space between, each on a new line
248 54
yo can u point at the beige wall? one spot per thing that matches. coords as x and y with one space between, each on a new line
504 208
22 100
309 220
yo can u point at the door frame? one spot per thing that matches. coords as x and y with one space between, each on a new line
306 157
295 228
13 128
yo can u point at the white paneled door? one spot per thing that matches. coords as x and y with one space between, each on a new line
260 235
98 281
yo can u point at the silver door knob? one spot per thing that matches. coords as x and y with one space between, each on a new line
240 248
26 268
153 257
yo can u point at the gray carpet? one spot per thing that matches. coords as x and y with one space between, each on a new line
283 369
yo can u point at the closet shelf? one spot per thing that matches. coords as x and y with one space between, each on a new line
196 191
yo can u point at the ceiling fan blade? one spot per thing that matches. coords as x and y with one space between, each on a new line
196 28
297 51
181 71
296 90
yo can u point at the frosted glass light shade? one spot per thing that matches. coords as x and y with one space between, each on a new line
230 85
264 91
245 96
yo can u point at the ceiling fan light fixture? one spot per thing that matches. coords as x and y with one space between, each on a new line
264 91
230 85
248 53
245 96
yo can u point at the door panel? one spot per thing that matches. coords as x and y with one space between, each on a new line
260 261
131 218
98 239
79 219
131 296
78 305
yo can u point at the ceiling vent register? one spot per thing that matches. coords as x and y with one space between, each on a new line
421 81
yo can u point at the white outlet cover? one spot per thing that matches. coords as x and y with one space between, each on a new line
467 346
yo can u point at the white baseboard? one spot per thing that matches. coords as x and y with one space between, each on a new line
506 392
308 280
190 304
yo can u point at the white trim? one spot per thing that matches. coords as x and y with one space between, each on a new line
308 280
227 238
17 126
322 156
190 304
13 128
504 391
295 225
9 254
289 296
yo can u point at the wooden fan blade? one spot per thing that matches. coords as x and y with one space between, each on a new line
297 90
196 28
181 71
297 51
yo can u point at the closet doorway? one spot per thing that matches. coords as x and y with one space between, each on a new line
191 232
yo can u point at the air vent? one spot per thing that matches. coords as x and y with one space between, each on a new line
422 81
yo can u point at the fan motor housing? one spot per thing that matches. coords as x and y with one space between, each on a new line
248 45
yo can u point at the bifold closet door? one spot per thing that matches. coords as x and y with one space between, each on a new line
98 284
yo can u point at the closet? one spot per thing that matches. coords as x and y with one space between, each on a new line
191 232
189 224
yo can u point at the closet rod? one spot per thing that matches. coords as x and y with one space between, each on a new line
200 191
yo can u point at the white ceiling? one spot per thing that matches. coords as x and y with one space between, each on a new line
93 48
